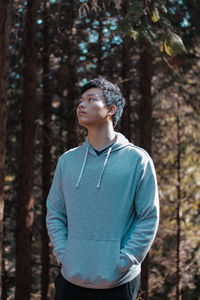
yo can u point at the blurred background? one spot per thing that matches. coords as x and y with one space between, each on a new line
48 50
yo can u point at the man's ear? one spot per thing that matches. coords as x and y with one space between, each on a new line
112 110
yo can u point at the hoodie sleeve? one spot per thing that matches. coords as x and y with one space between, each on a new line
56 218
143 230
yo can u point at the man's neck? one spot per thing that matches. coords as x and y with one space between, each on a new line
102 137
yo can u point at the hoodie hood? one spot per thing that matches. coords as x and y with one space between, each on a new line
120 143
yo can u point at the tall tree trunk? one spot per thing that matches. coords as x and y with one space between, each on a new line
146 73
5 7
71 82
125 74
25 197
46 154
71 120
5 289
126 120
178 217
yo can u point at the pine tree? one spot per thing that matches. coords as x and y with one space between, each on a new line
25 192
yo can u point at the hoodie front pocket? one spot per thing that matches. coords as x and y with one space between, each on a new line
91 262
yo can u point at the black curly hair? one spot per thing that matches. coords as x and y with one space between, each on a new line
112 95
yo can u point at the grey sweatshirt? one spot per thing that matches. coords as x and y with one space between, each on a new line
103 213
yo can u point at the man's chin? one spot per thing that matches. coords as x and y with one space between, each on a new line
82 123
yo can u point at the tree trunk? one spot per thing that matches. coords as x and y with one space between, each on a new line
5 7
71 120
5 288
25 197
146 73
71 83
46 154
125 123
178 217
126 120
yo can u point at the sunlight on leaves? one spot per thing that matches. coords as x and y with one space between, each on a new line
155 16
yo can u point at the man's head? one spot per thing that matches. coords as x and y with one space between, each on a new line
112 95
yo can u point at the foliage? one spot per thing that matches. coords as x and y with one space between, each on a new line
145 21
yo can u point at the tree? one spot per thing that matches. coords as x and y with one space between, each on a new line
25 192
5 7
70 79
145 120
46 151
178 213
126 83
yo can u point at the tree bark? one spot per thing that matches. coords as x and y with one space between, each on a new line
5 7
126 88
146 73
71 120
25 193
46 155
125 123
178 210
71 82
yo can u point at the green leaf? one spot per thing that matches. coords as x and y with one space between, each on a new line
174 44
134 34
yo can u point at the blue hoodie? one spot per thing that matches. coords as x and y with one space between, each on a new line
103 213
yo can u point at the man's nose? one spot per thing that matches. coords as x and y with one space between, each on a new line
82 104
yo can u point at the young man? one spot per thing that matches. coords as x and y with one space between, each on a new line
102 208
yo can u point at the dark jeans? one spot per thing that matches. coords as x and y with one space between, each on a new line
65 290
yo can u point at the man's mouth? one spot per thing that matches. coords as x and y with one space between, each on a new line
80 112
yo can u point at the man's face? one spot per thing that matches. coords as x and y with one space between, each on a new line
92 110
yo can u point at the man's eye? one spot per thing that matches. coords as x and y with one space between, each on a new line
91 99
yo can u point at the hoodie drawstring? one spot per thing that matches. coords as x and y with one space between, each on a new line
83 166
84 163
104 165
